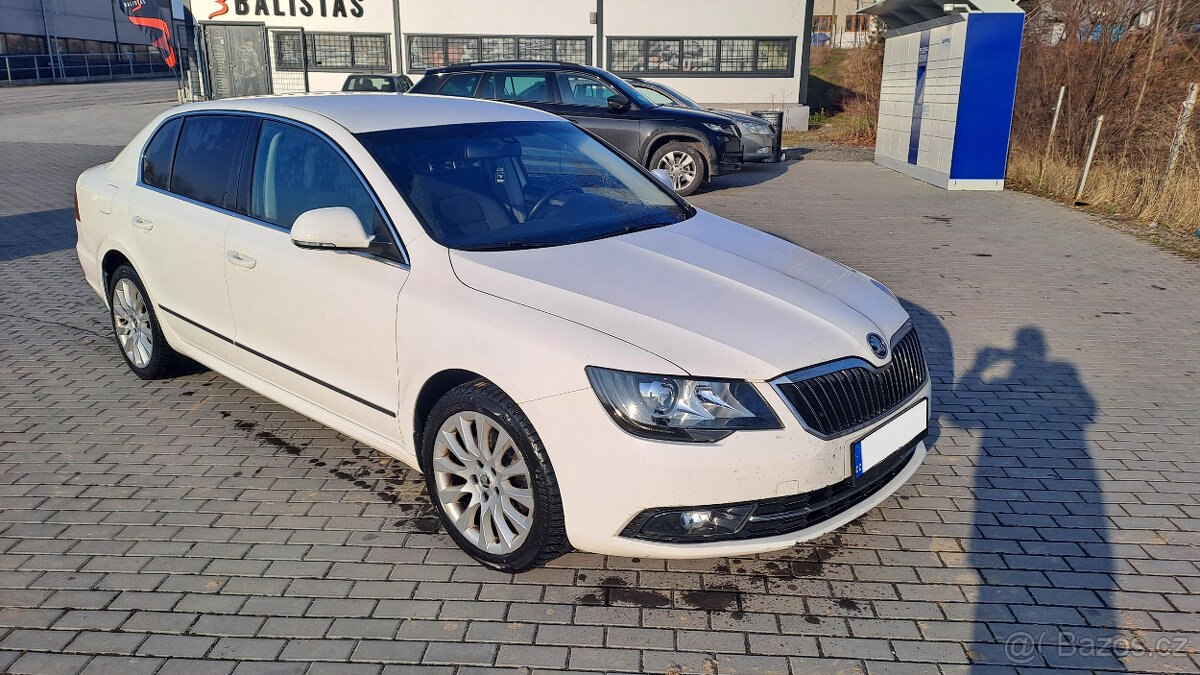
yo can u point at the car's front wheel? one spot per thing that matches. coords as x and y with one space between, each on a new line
685 164
136 327
490 480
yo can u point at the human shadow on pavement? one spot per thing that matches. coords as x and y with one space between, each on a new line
1040 541
28 234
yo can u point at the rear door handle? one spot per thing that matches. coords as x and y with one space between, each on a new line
142 224
240 260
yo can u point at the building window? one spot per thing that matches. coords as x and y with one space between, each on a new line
823 23
747 56
858 23
435 51
331 51
11 43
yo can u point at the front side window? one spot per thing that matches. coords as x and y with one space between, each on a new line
156 163
506 185
206 161
584 90
529 87
297 171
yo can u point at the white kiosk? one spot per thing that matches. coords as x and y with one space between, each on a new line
949 82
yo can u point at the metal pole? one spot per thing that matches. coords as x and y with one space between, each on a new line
1185 116
1050 139
49 43
1087 165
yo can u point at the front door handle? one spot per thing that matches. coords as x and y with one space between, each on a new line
240 260
142 224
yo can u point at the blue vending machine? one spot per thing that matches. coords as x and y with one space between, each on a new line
949 83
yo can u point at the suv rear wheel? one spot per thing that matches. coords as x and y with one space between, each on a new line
684 162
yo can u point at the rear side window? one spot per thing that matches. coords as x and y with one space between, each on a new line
297 171
460 85
156 163
532 87
207 160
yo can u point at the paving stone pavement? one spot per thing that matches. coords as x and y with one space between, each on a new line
189 525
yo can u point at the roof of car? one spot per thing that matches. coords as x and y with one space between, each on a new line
361 112
514 65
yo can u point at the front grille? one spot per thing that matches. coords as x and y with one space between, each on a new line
836 403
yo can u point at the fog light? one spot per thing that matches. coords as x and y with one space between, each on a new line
695 520
762 151
681 525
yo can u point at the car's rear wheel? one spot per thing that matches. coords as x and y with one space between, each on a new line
136 327
684 162
490 480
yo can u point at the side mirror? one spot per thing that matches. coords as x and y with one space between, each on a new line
335 227
663 177
619 103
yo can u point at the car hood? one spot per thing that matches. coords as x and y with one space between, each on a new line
741 117
716 298
672 112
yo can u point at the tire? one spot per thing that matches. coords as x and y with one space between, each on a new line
685 162
466 487
135 326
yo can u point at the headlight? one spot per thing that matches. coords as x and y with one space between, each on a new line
680 409
757 129
722 128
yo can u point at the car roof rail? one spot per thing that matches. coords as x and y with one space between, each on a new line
506 62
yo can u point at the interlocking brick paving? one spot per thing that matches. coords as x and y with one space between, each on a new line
189 525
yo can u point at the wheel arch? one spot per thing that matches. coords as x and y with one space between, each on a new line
109 264
435 387
680 136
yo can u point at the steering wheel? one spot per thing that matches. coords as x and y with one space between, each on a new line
555 190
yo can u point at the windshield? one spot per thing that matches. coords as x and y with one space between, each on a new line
506 185
674 93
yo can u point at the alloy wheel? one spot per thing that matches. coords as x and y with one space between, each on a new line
680 166
132 322
483 482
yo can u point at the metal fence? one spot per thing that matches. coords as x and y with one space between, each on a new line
52 67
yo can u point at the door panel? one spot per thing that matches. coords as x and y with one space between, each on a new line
318 323
585 102
181 258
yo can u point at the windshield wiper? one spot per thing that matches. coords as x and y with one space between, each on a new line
627 229
510 245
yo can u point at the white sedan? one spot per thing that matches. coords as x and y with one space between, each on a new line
573 355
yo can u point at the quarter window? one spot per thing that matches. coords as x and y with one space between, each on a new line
156 163
296 171
206 162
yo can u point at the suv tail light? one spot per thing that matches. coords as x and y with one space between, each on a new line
77 218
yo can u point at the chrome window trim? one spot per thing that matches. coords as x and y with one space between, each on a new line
387 219
842 364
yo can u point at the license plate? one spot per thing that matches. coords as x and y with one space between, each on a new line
897 433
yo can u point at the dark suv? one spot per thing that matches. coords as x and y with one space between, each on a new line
691 145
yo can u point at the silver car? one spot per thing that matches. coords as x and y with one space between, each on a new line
757 134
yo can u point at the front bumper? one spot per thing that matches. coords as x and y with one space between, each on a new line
727 155
756 147
608 478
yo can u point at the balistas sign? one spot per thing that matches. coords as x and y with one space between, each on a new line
147 15
327 8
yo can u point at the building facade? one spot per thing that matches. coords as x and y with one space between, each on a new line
57 39
837 23
715 51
